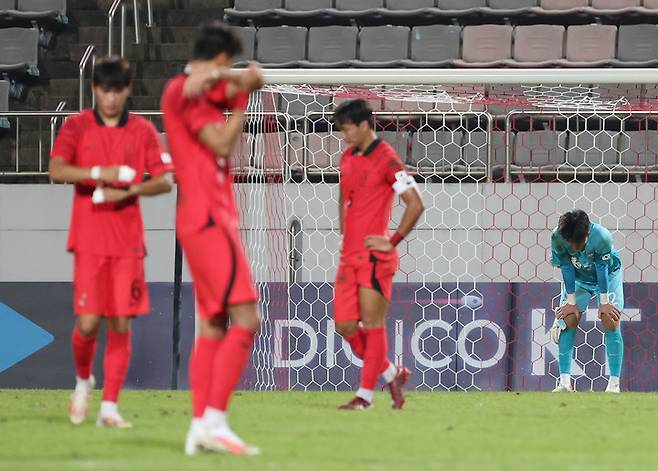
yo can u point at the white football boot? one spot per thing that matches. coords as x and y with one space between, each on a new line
80 397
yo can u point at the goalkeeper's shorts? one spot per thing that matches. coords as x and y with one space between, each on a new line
586 291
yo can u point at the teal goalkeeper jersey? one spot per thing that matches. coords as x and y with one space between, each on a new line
598 250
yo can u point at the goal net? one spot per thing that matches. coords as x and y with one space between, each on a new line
498 156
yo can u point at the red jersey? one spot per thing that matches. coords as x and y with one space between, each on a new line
204 179
366 185
110 229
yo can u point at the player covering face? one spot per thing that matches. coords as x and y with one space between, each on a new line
105 152
590 266
201 139
371 174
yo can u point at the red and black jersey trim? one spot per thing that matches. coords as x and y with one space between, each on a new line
373 275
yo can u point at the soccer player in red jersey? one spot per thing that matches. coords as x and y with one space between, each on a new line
371 173
201 139
105 152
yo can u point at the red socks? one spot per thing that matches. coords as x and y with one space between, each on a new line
358 343
116 363
84 349
230 359
374 357
201 363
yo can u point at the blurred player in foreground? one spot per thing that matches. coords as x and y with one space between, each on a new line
105 151
371 174
590 266
201 138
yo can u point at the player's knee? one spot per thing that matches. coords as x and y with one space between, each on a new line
212 328
572 321
346 328
246 316
88 327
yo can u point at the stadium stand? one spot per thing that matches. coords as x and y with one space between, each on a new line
19 48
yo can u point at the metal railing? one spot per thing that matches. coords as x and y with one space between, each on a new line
110 24
90 53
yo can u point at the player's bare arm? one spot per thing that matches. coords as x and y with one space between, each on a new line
151 187
202 76
222 138
414 207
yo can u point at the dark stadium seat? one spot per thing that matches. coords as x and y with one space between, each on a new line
307 5
19 50
257 5
383 46
486 46
359 5
539 149
6 5
41 8
615 4
332 46
512 6
248 36
639 150
434 46
283 46
409 4
590 45
593 149
436 150
538 45
637 46
464 5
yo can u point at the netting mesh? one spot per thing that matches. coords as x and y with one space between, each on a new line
473 300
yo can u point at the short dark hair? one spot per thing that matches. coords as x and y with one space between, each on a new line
354 111
112 72
213 38
574 226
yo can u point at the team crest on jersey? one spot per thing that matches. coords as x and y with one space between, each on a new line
576 263
606 257
82 300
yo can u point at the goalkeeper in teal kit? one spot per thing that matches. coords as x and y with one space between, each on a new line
590 266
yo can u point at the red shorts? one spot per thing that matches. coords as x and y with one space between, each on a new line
109 286
219 269
375 274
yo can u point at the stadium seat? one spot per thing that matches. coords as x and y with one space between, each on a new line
512 5
639 149
486 46
409 4
19 49
593 149
564 4
615 4
41 8
6 5
651 4
332 46
474 149
539 149
307 5
282 46
465 5
434 46
590 45
538 45
257 5
637 46
359 5
436 151
383 46
247 35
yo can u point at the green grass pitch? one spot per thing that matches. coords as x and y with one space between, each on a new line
300 431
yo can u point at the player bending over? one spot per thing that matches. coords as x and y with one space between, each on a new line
590 266
105 152
201 139
371 173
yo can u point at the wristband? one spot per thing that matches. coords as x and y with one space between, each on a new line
396 239
571 299
126 174
95 172
98 197
604 298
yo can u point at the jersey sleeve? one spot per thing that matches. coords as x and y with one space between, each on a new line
395 174
560 258
602 256
66 143
157 160
199 112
